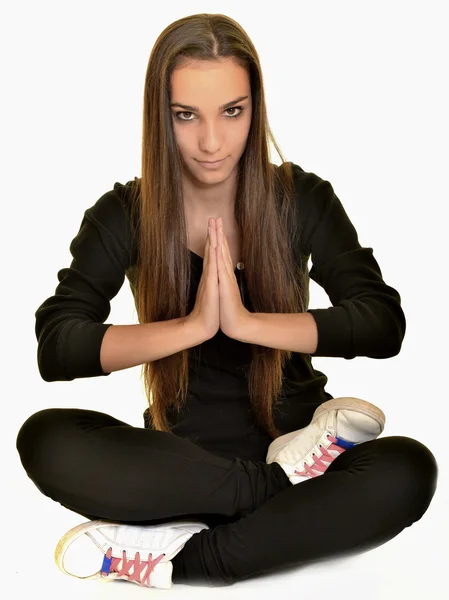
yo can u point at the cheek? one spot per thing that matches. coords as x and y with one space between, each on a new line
242 137
182 138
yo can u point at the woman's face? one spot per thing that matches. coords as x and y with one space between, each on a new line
204 130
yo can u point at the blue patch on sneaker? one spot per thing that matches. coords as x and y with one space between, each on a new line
106 566
343 443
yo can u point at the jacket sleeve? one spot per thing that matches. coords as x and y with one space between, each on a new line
366 318
70 325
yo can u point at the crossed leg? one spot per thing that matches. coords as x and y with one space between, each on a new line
367 496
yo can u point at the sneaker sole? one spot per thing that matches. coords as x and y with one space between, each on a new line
347 403
76 532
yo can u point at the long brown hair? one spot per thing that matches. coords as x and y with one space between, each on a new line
264 211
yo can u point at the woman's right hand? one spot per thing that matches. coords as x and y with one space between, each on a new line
206 312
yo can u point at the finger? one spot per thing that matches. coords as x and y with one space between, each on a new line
228 251
207 250
224 248
219 258
212 251
213 262
223 268
213 233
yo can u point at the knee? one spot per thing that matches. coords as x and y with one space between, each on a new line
416 470
36 439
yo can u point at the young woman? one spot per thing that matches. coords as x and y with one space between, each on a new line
214 241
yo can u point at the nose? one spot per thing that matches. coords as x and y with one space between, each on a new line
210 138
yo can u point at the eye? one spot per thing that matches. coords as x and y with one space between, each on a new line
183 113
239 108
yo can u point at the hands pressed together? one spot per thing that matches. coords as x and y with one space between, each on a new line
218 302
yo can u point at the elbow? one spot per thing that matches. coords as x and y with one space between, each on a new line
71 351
51 375
49 346
50 356
378 331
396 330
49 366
396 348
393 349
47 376
389 342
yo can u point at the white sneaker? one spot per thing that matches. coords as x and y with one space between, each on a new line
141 554
336 425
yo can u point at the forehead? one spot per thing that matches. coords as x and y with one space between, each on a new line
207 82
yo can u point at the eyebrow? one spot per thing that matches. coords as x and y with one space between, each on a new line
222 107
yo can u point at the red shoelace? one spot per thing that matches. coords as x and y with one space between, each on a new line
111 565
319 467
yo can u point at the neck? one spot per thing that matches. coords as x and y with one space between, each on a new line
210 200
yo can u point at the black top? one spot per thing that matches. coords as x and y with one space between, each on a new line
365 319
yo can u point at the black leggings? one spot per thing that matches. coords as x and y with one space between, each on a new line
103 468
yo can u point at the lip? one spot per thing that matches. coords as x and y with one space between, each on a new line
211 165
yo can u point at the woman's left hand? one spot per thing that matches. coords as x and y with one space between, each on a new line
232 312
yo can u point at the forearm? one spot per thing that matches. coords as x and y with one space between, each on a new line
285 331
126 346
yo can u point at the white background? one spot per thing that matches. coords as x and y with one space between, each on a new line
357 93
